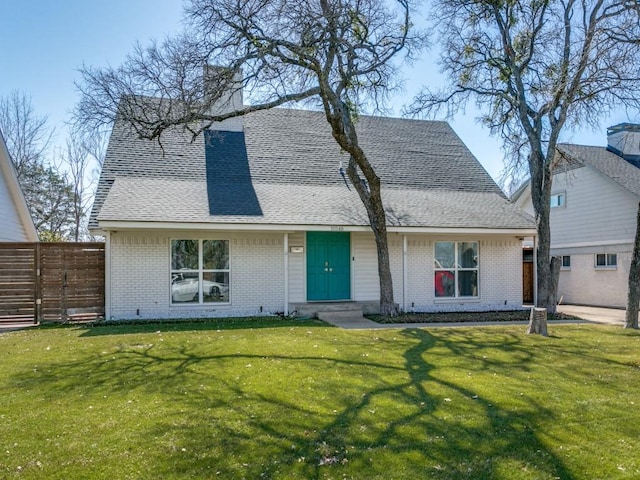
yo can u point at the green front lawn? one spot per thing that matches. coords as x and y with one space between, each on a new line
307 401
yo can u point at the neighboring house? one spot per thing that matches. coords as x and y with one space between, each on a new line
16 224
594 202
255 216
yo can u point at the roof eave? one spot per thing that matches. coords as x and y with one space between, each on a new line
115 225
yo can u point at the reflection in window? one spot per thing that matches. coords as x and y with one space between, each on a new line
456 269
184 255
199 271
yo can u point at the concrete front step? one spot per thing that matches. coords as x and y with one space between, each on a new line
340 316
312 309
350 322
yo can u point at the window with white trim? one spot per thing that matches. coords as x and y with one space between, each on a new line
456 269
199 272
606 260
558 200
566 262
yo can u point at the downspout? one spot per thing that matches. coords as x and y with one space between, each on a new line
107 275
286 274
405 273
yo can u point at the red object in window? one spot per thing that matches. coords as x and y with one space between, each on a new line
444 282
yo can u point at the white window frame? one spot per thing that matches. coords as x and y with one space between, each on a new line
456 268
562 265
200 271
561 200
608 263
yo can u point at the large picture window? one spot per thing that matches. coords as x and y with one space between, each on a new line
199 271
456 269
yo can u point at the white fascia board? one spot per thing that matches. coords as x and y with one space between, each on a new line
123 225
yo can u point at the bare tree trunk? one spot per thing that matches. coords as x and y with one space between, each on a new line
543 264
538 322
540 196
633 296
554 275
377 220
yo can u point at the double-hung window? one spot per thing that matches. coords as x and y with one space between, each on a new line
199 271
456 269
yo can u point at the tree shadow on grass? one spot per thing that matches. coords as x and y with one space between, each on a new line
299 415
476 440
179 325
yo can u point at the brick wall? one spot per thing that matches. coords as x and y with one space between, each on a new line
140 277
500 272
140 280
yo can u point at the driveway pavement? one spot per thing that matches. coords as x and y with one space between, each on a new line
611 316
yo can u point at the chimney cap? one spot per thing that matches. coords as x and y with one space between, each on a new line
623 127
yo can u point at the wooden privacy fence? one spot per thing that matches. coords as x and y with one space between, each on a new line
51 282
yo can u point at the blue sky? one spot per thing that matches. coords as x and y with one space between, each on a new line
44 43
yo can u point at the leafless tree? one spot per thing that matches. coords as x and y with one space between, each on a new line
27 135
45 188
78 159
536 69
339 55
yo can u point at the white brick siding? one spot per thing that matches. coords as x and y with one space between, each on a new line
364 268
297 272
500 275
420 294
139 276
395 259
501 272
139 280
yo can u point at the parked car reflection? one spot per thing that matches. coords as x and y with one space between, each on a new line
184 288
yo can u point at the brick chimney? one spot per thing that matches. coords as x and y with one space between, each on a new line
624 140
229 100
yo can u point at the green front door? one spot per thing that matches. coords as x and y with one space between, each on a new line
328 266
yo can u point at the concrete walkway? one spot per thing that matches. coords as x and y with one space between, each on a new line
610 316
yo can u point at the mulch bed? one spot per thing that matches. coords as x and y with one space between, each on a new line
471 317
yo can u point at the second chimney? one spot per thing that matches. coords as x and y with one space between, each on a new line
624 140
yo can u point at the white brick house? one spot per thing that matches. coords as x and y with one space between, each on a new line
594 197
257 219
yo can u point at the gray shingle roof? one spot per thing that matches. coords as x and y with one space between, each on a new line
608 163
286 204
429 177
